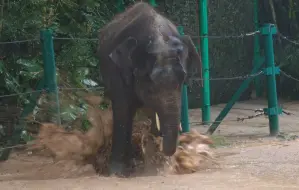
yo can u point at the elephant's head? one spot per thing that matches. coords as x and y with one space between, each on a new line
155 60
158 84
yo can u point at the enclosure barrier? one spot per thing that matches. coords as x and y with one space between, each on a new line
48 84
268 30
184 109
204 46
50 68
271 71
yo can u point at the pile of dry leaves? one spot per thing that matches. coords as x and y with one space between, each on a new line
94 145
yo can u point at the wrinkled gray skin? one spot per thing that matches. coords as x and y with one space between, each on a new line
143 64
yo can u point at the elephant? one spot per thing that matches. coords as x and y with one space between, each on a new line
143 63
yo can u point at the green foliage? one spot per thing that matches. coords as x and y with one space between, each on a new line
26 137
21 65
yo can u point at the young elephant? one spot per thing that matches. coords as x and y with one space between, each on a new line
143 64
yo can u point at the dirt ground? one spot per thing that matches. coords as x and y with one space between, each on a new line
248 159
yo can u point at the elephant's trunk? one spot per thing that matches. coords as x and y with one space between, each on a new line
170 136
169 124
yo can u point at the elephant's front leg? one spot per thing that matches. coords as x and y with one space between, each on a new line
122 132
128 149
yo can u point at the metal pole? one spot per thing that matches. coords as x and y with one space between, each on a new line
50 68
120 6
268 30
152 3
257 80
184 101
203 12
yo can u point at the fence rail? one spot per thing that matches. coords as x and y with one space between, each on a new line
287 39
242 35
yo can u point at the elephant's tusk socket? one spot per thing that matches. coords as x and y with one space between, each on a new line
158 122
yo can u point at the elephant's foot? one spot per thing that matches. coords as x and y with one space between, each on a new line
132 166
118 169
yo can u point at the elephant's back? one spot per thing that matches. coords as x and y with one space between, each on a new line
136 18
140 21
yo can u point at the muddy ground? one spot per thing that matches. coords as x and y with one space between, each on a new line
248 159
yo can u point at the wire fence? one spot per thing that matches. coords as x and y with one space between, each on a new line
287 39
46 90
101 88
289 76
243 35
239 36
193 79
20 41
96 39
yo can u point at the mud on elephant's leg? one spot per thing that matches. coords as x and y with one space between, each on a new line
150 146
128 148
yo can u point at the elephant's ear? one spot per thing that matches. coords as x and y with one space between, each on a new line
121 55
193 56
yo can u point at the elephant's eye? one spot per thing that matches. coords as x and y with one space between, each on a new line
175 44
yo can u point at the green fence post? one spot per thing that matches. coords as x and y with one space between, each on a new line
204 42
152 3
268 30
257 80
50 68
184 101
120 6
